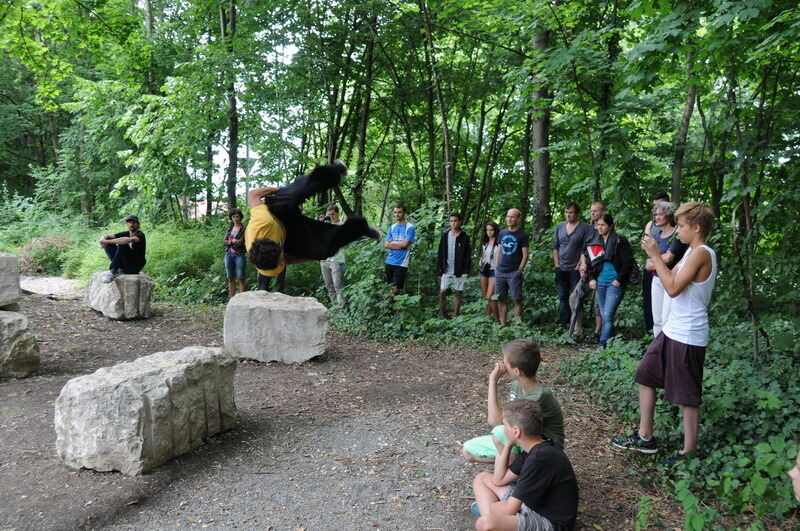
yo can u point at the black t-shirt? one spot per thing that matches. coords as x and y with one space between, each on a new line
547 484
138 248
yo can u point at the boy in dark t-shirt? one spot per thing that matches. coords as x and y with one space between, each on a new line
126 250
538 491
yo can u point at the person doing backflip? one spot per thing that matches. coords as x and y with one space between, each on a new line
279 235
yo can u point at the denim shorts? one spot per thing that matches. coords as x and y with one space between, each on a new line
234 265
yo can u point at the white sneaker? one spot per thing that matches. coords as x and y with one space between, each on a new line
108 277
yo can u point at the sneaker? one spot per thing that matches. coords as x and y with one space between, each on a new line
473 508
108 277
678 458
632 441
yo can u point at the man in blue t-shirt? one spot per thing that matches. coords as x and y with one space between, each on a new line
398 242
512 256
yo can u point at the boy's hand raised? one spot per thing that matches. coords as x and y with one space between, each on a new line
498 371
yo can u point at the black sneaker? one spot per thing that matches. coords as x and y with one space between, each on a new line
632 441
678 458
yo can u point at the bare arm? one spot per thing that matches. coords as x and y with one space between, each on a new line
697 266
494 413
123 240
555 258
501 474
255 195
397 245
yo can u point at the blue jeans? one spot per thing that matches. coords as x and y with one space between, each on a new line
565 283
123 260
234 265
608 299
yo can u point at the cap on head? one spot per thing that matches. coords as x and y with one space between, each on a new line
132 218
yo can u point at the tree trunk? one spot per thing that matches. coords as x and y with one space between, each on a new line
209 177
541 143
473 168
228 30
683 131
361 166
527 170
437 89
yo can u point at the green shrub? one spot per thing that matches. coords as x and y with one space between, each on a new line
43 256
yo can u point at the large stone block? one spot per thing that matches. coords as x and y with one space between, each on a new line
19 353
275 327
126 297
134 416
9 279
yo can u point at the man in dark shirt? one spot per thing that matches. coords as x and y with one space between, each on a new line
538 491
126 250
512 256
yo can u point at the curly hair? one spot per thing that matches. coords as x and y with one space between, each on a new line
265 253
667 209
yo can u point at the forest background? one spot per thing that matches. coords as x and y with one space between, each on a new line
172 110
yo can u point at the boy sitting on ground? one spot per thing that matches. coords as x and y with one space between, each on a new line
521 360
538 491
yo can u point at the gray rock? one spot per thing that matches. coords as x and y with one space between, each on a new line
9 279
13 307
19 353
126 297
134 416
275 327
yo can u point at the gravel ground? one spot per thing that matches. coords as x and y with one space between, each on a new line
366 437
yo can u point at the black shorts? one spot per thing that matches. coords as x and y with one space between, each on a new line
395 275
675 367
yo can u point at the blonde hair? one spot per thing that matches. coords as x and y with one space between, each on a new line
695 213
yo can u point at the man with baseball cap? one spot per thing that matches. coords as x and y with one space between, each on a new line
125 250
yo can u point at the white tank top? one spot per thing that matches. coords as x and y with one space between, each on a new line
688 313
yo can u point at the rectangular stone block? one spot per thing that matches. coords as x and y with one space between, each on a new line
19 352
9 279
126 297
134 416
275 327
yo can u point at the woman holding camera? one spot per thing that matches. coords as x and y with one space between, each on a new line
486 266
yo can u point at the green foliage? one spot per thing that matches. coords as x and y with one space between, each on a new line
43 256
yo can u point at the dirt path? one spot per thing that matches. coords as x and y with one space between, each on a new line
367 437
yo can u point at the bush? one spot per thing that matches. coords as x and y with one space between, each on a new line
43 256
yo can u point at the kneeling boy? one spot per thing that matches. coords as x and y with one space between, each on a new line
521 359
538 491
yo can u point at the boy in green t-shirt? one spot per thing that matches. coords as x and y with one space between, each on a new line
521 360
